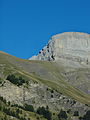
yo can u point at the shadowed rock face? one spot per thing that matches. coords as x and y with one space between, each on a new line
68 45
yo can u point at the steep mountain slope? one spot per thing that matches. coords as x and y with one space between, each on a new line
71 50
69 45
60 81
47 85
47 72
9 111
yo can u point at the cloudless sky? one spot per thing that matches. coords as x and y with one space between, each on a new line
27 25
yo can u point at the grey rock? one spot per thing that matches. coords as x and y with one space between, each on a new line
40 95
69 45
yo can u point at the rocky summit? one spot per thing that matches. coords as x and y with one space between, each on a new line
69 45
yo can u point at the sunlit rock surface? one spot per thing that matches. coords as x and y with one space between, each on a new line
69 45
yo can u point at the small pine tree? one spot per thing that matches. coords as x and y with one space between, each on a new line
45 112
87 115
29 108
62 115
76 113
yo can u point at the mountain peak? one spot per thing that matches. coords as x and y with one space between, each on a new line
71 34
68 45
3 52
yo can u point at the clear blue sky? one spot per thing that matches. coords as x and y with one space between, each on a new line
27 25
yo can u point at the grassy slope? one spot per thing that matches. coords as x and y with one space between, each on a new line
45 72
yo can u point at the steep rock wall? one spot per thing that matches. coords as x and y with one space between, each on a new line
68 45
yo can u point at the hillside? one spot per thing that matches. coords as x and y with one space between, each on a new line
61 83
10 111
46 84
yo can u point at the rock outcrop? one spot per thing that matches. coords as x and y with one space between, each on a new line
40 95
68 45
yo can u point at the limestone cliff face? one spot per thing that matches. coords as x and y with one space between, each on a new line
68 45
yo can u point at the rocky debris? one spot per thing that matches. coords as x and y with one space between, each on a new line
40 95
80 79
